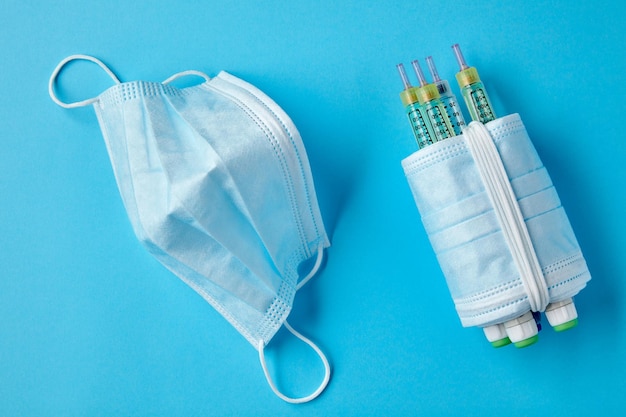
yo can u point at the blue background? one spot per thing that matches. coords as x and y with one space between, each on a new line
91 325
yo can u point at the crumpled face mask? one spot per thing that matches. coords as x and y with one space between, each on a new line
217 186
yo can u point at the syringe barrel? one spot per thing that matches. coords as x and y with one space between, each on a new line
439 120
436 114
422 130
451 104
478 102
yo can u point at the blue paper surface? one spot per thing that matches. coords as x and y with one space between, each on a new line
90 324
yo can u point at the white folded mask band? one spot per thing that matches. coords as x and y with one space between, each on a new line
508 212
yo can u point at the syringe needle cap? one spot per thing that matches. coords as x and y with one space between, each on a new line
433 69
405 79
419 72
459 57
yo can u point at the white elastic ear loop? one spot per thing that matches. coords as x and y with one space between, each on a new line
316 267
317 350
58 69
186 73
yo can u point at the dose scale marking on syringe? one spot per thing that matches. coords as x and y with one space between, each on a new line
436 116
447 97
481 104
422 130
419 126
472 90
454 113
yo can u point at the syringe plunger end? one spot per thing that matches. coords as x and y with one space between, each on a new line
562 315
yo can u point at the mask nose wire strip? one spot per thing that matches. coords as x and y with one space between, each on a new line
186 73
58 69
316 267
317 350
507 210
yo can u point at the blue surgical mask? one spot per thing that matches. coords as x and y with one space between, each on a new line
217 186
495 222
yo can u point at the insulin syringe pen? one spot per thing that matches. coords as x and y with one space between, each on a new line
522 330
450 103
415 112
473 90
428 97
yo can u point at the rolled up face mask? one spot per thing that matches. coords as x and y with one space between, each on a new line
500 233
217 186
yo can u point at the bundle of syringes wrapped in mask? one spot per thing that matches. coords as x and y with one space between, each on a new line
435 115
